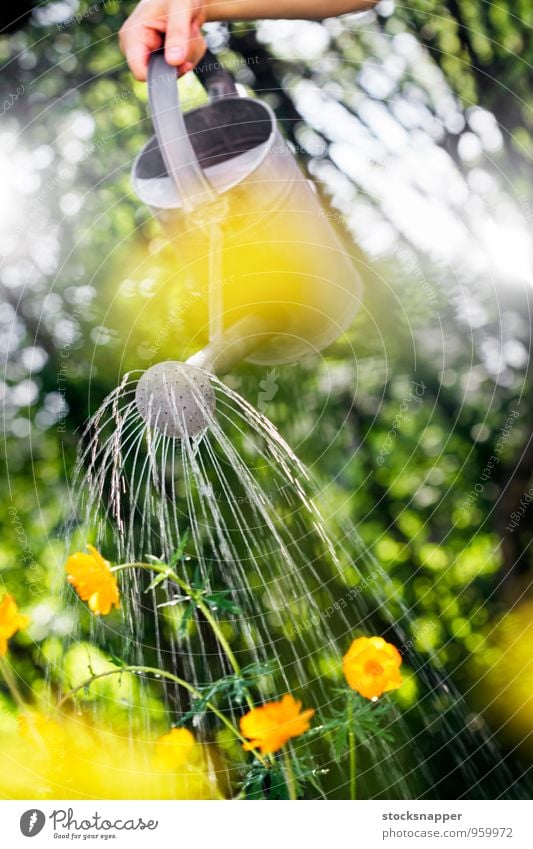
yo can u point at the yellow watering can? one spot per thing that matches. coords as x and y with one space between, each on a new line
247 225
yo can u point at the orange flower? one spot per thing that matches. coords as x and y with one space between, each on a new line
271 725
11 621
93 580
174 749
372 666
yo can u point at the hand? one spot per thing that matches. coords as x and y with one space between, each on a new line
177 21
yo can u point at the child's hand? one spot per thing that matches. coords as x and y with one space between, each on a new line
178 22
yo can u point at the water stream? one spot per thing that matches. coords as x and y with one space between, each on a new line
295 586
254 533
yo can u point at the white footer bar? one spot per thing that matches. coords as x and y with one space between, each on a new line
267 825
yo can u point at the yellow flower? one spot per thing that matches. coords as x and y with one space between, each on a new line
49 733
174 749
93 580
372 666
11 621
67 756
270 726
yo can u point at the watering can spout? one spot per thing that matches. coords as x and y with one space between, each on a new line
236 344
178 399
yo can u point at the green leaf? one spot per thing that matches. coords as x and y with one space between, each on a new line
253 784
340 740
162 576
178 599
277 788
186 618
264 783
234 688
199 582
305 772
116 661
367 720
180 551
219 601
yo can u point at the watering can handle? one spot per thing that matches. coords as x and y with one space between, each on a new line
216 80
169 124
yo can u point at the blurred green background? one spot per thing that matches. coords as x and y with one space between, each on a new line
416 123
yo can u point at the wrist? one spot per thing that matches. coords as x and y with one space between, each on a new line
225 10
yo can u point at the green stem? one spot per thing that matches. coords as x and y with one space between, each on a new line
161 673
12 686
351 741
289 776
215 627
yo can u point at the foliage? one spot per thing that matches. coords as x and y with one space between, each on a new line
234 689
89 290
264 783
366 719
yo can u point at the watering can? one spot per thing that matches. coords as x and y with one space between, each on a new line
222 181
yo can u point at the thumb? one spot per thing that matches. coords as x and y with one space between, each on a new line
178 31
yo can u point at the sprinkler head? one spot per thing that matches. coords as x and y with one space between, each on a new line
177 399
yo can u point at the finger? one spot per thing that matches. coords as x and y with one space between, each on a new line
194 56
197 45
137 41
178 31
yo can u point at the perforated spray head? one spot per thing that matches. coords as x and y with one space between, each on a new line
177 399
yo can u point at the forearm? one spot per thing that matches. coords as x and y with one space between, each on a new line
240 10
176 24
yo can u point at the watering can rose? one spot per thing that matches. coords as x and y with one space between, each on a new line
270 726
11 621
93 580
371 667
